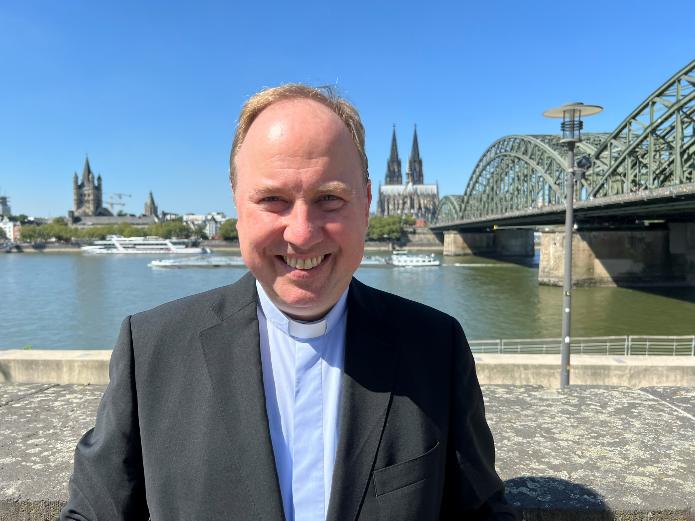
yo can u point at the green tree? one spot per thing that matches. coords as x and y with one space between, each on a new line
34 233
94 233
384 228
59 232
126 230
409 220
2 234
200 232
228 230
170 229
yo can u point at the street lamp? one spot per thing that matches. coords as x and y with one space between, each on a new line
571 127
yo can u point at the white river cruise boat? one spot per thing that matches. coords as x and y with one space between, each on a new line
402 258
149 245
203 261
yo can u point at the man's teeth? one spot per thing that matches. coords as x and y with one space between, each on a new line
303 264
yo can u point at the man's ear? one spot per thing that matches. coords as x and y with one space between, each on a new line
369 199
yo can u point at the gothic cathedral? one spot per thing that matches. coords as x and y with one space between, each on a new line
412 198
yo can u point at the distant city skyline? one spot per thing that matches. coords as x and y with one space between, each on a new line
151 91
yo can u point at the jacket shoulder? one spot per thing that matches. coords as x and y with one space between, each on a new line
196 312
398 312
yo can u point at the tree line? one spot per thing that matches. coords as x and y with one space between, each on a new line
389 228
59 230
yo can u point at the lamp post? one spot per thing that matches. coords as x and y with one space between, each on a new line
571 127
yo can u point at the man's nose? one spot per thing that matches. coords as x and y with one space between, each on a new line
302 227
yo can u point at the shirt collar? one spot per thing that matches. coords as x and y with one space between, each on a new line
297 328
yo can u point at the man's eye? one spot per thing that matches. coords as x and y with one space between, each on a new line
331 202
273 203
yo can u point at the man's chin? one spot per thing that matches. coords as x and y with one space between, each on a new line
303 304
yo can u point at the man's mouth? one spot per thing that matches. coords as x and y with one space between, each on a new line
303 264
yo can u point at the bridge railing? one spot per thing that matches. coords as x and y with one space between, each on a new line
599 345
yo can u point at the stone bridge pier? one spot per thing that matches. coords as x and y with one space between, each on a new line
499 243
632 257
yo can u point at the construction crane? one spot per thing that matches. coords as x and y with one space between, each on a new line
113 202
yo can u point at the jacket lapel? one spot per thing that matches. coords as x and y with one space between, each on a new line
370 363
232 354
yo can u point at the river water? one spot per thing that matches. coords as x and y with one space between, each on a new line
76 301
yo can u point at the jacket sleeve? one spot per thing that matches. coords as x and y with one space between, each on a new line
472 488
107 481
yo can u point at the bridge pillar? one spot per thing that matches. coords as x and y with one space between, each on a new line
500 243
468 243
514 243
682 248
620 257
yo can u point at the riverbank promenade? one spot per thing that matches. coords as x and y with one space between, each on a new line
589 452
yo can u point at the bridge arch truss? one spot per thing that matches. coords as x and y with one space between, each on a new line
653 148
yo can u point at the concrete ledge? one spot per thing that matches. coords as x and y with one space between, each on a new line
49 366
91 367
589 453
629 371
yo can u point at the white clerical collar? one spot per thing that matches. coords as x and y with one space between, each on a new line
296 328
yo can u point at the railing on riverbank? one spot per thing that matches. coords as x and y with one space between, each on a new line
599 345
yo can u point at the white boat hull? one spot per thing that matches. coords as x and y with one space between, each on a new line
405 260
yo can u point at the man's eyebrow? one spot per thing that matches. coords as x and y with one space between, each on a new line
325 188
265 191
333 186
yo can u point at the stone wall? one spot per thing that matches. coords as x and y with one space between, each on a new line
422 237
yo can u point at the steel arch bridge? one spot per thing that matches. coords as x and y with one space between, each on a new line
647 159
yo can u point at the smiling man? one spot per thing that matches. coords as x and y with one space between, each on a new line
297 393
303 203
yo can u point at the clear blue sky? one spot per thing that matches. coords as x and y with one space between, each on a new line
151 90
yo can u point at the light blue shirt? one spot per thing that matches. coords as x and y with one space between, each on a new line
302 370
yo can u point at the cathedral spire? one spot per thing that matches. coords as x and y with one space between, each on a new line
394 146
393 167
414 172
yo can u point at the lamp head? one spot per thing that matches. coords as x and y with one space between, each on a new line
571 114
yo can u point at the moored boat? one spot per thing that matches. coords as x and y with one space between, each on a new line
149 245
203 261
373 260
402 258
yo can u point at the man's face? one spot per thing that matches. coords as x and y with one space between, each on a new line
302 206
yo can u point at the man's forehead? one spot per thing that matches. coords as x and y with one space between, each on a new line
301 116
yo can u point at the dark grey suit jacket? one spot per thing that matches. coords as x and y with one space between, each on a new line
182 430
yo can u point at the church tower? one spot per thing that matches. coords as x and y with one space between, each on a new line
151 206
393 167
414 172
87 194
